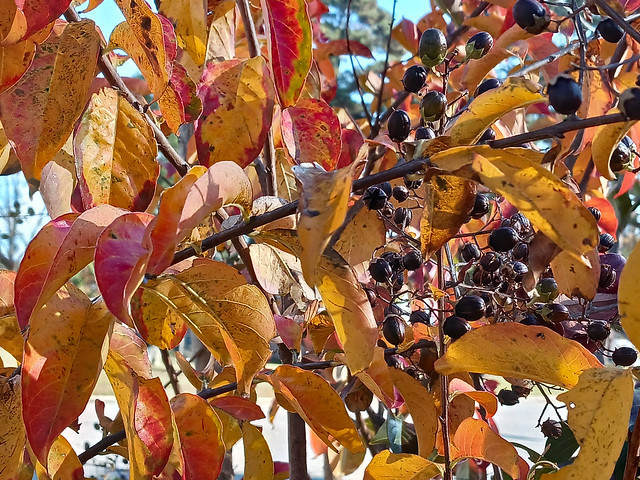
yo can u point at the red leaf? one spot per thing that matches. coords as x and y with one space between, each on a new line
238 407
341 47
289 331
122 252
311 132
61 249
179 103
40 13
406 33
316 8
608 221
289 38
351 143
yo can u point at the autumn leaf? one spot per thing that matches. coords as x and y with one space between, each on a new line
61 249
121 256
221 43
628 306
377 378
62 360
311 132
237 102
338 47
363 234
323 207
14 62
62 462
126 343
11 427
39 112
421 407
11 339
58 184
289 40
605 141
483 111
238 407
474 438
319 328
200 433
487 400
400 466
40 13
448 202
318 404
180 103
599 407
573 277
190 20
499 349
258 464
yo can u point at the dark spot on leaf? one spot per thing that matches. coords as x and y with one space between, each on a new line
149 44
145 23
540 335
113 236
132 4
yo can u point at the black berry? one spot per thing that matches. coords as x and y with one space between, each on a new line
556 312
470 307
420 316
597 214
414 78
402 217
487 85
490 262
606 242
399 126
425 133
386 188
412 260
455 327
380 270
519 271
630 103
608 276
551 428
470 251
400 193
433 106
609 30
478 45
521 251
598 330
547 287
508 397
565 95
520 223
503 239
393 329
621 157
432 47
394 260
480 206
374 198
624 356
531 16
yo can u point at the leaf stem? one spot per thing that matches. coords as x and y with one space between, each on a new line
633 459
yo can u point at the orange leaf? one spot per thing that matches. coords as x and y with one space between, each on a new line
190 20
377 378
10 337
62 463
238 407
487 400
14 62
11 427
400 466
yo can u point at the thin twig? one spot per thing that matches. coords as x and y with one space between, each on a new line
386 61
353 67
173 377
619 19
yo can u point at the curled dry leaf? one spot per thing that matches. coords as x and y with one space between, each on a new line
599 407
499 349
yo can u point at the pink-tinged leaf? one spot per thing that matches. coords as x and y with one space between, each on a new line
125 343
289 40
237 102
11 339
280 469
352 141
190 19
341 47
406 33
487 400
115 154
311 133
200 433
14 62
121 257
39 112
40 13
224 183
61 249
56 188
289 331
316 9
238 407
179 103
62 360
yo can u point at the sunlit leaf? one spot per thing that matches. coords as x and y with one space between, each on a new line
341 47
62 462
200 433
319 328
14 61
486 399
311 133
39 13
288 32
400 466
179 103
258 464
323 207
318 404
190 20
11 427
421 407
605 141
474 438
520 351
448 202
115 153
237 102
514 93
62 360
11 339
40 111
599 407
363 234
126 343
61 249
628 305
573 277
221 40
58 184
238 407
377 378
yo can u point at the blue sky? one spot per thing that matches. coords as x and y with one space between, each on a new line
410 9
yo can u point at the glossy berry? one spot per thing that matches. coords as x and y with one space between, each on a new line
455 327
531 16
520 223
609 30
556 312
624 356
508 397
598 330
521 251
412 184
432 47
630 103
425 133
420 316
399 126
488 135
606 242
470 307
394 260
433 106
608 276
372 296
565 95
412 260
400 193
597 214
402 217
480 206
490 262
393 329
519 271
414 78
470 251
622 156
386 188
380 270
374 198
547 288
486 85
478 45
503 239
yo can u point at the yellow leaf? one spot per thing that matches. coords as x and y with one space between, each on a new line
363 234
63 462
221 41
484 110
11 427
400 466
377 378
190 21
322 208
574 278
520 351
319 328
188 371
448 201
350 310
421 407
599 407
318 404
258 464
628 304
605 141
